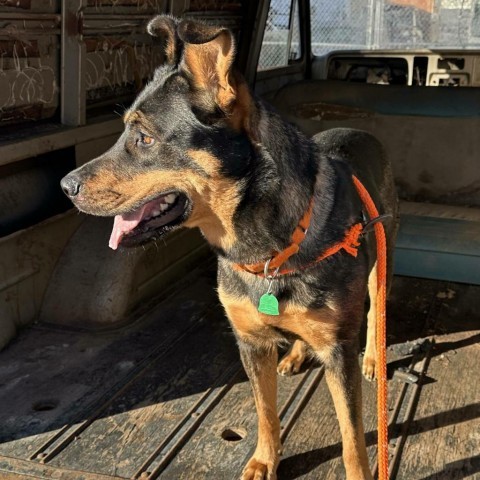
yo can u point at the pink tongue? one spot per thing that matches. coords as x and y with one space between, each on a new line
124 224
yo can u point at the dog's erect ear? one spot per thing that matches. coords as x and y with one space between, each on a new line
166 26
209 52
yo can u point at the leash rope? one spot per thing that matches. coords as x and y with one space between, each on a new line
349 244
381 332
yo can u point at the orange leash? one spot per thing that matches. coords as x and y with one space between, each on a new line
350 244
381 332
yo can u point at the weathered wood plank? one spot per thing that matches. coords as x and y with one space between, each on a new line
17 469
313 449
157 388
130 429
52 377
444 440
209 452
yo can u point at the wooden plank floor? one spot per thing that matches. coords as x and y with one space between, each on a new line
167 398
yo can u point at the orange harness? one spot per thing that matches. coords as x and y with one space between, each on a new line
350 244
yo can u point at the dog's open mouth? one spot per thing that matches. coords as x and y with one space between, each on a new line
151 220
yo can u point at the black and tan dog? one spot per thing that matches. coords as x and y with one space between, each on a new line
199 151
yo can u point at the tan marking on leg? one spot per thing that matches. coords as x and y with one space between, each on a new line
319 328
369 359
263 379
293 360
254 328
259 357
346 391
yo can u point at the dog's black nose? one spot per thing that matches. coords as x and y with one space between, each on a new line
70 185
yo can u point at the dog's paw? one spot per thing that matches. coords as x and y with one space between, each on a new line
257 470
292 361
368 368
289 365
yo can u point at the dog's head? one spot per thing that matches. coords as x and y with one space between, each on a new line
186 146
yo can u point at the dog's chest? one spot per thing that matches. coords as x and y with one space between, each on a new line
317 327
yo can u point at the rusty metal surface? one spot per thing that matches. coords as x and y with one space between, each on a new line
118 66
106 56
29 50
29 6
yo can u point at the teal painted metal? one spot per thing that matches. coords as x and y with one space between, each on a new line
438 248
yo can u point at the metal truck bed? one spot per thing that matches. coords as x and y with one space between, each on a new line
166 396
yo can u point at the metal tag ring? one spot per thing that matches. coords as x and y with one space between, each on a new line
266 269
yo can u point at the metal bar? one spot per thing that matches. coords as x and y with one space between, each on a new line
15 468
32 31
162 456
305 393
421 368
290 400
257 37
15 151
296 402
73 97
108 17
396 411
25 17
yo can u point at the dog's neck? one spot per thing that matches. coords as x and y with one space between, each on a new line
287 171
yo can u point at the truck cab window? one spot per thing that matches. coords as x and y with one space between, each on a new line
281 42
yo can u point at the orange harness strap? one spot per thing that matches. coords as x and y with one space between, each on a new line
350 244
280 258
381 331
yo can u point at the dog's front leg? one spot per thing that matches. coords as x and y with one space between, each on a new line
260 363
344 382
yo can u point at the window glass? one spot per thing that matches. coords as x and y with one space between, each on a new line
394 24
281 40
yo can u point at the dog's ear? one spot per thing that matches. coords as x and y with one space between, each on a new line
166 26
209 52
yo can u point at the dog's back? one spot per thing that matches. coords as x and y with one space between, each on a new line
368 160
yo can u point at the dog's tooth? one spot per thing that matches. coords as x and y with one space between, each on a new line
163 207
170 198
155 213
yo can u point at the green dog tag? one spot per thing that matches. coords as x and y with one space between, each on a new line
268 304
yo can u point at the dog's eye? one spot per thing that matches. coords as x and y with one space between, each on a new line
145 140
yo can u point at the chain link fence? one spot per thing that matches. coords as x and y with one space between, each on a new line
370 24
394 24
281 40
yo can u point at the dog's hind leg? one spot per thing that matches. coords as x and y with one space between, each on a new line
344 381
368 365
260 364
293 359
